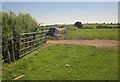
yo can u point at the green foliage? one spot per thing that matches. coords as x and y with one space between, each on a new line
14 24
18 23
86 63
78 24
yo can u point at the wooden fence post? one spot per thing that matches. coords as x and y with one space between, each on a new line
9 59
20 41
13 54
45 36
20 45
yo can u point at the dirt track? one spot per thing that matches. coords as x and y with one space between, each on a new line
99 43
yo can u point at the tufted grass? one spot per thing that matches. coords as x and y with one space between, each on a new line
65 62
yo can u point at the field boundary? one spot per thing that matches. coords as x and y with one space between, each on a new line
23 44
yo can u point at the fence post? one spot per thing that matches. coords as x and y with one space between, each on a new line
13 54
42 37
45 35
20 41
9 59
20 46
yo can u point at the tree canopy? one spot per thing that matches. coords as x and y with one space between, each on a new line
78 24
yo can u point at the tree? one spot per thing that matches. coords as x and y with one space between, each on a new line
78 24
12 25
118 23
111 23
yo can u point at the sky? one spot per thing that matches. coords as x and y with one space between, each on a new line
60 0
66 12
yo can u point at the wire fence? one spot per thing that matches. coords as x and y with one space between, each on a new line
23 44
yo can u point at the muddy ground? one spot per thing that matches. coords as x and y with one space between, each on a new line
98 43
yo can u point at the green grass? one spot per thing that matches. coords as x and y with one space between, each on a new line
86 63
74 33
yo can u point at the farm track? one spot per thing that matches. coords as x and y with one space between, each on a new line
97 43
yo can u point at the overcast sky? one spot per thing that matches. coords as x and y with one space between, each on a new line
66 12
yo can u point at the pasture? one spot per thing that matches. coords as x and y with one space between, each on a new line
75 33
65 62
21 35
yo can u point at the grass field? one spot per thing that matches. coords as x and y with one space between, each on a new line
62 62
74 33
